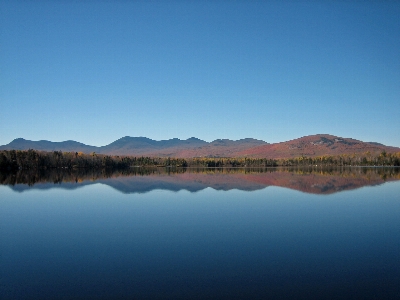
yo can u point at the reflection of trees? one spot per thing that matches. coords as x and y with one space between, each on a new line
56 176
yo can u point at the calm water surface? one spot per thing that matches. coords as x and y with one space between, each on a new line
184 235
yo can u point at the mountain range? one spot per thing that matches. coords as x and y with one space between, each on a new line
312 145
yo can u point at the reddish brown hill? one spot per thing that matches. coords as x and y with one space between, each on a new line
316 145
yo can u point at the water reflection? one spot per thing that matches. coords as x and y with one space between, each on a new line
98 242
142 180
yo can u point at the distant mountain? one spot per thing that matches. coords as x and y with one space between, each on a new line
313 145
142 145
67 146
217 148
123 146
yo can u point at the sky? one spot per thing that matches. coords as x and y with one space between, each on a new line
95 71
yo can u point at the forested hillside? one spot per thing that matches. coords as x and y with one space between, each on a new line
32 159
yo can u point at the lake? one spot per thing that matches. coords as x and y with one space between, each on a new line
201 233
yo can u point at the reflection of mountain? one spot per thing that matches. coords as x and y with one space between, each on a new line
191 182
140 181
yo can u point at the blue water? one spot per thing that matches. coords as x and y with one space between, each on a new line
97 243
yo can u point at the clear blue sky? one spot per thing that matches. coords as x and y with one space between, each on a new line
96 71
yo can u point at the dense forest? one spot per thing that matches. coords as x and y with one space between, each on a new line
356 159
32 159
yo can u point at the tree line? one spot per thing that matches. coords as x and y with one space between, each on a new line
356 159
34 159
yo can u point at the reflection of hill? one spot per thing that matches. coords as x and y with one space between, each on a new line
318 183
315 181
191 182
